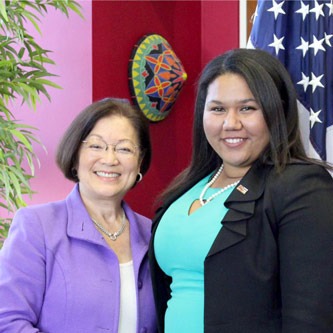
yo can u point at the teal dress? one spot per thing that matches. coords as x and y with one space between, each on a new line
182 242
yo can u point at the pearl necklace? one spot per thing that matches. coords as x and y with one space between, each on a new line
112 236
203 192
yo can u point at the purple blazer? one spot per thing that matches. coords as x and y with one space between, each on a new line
58 275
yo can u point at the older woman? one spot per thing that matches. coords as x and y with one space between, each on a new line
80 265
243 241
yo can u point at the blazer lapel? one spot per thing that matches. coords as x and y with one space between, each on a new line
241 205
79 222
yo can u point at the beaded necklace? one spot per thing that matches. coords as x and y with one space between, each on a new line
210 183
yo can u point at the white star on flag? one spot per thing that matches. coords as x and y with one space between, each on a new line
304 10
299 33
327 39
304 46
314 117
330 6
315 81
317 9
277 8
305 81
317 45
277 44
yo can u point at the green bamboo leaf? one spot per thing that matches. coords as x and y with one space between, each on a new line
21 178
48 83
15 184
76 8
11 49
3 206
11 57
33 101
4 230
6 182
41 89
3 10
26 126
21 52
22 138
38 73
4 75
28 89
31 164
20 201
46 60
6 63
32 19
34 64
27 46
6 40
26 3
22 75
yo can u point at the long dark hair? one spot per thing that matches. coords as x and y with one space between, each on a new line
273 90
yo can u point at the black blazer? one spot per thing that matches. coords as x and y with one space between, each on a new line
270 268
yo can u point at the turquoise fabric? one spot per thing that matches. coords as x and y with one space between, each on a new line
182 242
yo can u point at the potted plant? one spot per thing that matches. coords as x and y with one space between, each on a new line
23 77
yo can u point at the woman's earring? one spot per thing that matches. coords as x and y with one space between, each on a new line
139 177
74 173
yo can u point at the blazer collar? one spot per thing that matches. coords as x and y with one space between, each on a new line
241 205
81 227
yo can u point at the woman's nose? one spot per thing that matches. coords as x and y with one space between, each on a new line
232 121
110 155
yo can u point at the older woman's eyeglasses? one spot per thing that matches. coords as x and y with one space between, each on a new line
121 148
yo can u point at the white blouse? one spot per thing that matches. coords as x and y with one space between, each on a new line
128 306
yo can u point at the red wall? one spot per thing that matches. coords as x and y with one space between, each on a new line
197 31
219 27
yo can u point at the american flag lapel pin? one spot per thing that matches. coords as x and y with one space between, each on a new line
242 189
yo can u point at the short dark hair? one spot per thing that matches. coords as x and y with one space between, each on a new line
82 125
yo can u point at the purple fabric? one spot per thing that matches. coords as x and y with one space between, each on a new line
57 274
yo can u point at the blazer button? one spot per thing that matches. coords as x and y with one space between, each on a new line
140 284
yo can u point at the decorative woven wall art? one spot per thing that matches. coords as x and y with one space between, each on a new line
156 76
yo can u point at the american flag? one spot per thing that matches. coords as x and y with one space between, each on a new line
300 34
